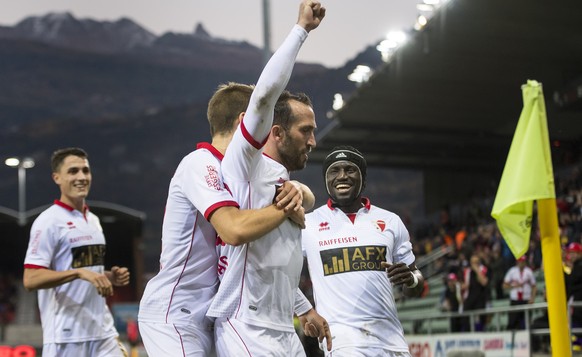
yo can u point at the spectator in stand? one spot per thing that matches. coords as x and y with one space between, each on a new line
453 301
521 281
476 291
574 281
497 267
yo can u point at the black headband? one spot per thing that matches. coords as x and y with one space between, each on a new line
346 153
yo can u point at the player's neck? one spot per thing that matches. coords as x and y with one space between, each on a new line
221 142
271 151
78 204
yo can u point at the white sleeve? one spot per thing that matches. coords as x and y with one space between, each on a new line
244 150
42 243
302 305
273 80
202 182
403 247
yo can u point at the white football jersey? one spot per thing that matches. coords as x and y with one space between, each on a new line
183 288
62 238
260 284
350 288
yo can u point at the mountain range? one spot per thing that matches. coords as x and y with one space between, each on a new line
135 101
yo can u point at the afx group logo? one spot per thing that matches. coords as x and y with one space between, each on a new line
343 260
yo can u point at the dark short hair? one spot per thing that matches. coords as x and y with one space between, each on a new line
283 115
59 156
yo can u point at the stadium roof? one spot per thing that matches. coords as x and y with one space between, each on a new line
451 96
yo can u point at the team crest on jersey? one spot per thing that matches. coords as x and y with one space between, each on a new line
213 179
380 225
349 259
323 226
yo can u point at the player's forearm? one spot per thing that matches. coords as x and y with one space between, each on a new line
236 227
46 278
271 84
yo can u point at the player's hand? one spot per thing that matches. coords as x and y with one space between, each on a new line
311 13
119 276
289 196
99 281
398 273
298 217
314 325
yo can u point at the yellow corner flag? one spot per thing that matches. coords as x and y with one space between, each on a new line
528 173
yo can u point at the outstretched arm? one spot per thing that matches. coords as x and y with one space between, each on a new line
275 76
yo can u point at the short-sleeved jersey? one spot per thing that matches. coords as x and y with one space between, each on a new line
260 285
62 238
525 277
350 288
183 288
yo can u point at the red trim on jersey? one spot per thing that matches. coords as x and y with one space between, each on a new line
181 340
218 205
183 267
32 266
210 148
352 216
257 145
69 208
365 202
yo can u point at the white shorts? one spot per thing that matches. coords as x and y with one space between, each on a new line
173 340
364 352
109 347
236 338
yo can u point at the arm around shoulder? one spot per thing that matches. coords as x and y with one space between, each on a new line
237 227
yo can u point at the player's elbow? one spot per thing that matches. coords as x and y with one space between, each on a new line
233 238
29 283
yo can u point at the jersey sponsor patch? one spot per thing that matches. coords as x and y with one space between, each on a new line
88 255
348 259
213 178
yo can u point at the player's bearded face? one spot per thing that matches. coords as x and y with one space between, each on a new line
297 143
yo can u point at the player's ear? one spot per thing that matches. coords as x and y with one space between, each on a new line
277 132
56 178
238 120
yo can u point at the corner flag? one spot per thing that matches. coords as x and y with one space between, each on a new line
528 173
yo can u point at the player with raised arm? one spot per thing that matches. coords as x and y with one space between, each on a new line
257 296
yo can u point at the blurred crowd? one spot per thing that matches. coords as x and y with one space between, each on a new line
8 298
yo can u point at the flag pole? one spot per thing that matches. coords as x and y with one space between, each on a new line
554 276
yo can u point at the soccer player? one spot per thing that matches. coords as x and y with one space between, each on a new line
257 296
357 254
200 214
65 263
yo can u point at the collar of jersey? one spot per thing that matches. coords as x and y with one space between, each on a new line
210 148
69 208
365 202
